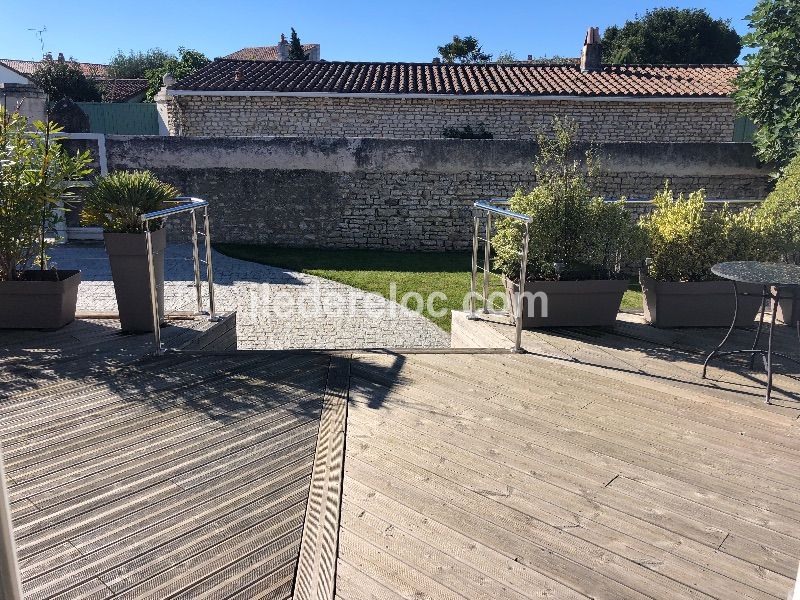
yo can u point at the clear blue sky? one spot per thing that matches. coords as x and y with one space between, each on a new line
406 30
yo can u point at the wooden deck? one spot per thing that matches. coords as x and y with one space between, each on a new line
597 466
183 476
521 476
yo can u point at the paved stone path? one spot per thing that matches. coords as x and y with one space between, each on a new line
277 308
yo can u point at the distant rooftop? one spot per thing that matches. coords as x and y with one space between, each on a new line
271 53
687 81
121 90
27 67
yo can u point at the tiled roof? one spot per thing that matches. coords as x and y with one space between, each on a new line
460 79
263 52
120 90
27 67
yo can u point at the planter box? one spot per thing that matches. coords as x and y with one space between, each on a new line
589 303
788 307
41 300
127 253
697 303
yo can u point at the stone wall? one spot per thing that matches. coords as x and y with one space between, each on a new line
399 194
412 118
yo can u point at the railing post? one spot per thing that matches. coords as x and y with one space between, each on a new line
10 586
487 249
153 292
523 268
475 229
212 315
196 256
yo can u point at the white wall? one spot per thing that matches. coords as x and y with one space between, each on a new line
9 76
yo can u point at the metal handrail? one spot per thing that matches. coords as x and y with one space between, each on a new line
487 208
188 204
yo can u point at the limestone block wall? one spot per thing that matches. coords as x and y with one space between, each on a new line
401 194
631 120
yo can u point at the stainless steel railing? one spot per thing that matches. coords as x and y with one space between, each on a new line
483 210
191 205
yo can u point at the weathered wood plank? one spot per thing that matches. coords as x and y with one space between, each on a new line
316 569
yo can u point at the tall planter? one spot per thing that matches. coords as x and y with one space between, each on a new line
588 303
697 303
127 253
40 300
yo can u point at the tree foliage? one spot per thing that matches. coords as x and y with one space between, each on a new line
183 65
134 65
296 51
65 79
672 36
769 84
463 50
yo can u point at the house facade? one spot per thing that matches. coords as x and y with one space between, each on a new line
641 103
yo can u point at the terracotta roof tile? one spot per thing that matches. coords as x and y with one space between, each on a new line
27 67
263 52
120 90
457 79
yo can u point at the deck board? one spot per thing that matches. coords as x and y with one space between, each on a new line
591 488
184 476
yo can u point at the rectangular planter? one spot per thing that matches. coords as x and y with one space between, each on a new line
588 303
788 307
127 253
697 303
41 300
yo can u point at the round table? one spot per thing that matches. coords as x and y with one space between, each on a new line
773 279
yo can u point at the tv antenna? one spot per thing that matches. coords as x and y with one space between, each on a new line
40 35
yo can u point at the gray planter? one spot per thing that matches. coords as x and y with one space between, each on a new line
697 303
41 300
788 307
127 253
589 303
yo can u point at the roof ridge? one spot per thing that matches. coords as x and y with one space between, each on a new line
524 64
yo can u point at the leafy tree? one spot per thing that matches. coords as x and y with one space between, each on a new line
135 65
506 57
769 84
672 36
296 51
463 50
186 63
552 60
65 79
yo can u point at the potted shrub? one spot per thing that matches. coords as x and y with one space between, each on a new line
779 220
576 240
115 203
35 173
684 241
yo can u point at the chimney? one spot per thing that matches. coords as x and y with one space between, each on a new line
592 53
48 56
436 60
61 57
283 48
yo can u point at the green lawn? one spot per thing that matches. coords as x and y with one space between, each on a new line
375 270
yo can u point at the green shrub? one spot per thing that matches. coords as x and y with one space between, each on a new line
35 173
573 235
117 201
684 240
779 215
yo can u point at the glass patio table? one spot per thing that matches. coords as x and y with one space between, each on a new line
774 279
